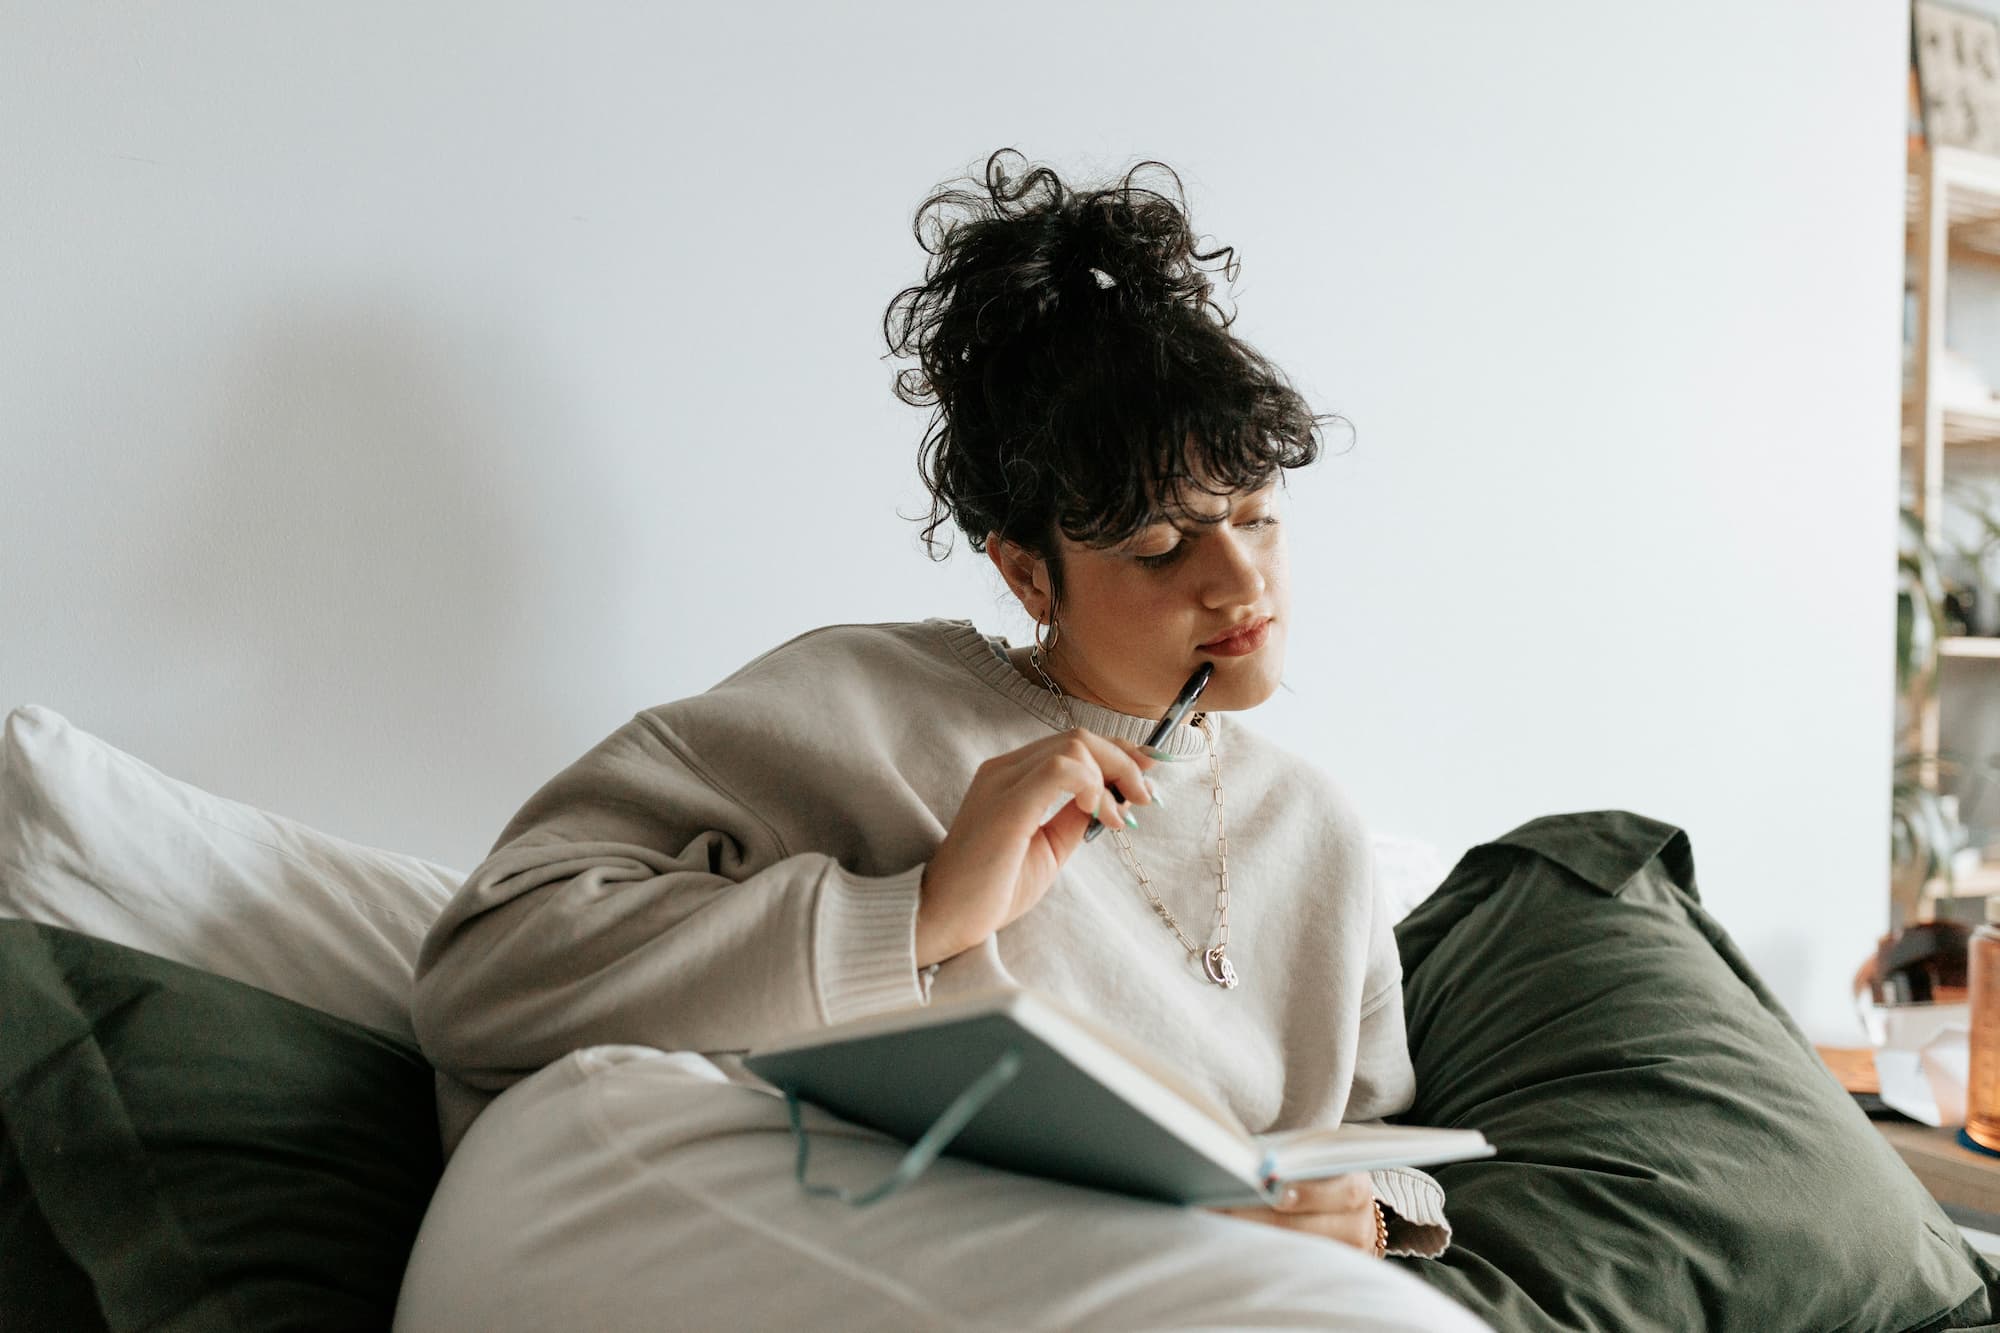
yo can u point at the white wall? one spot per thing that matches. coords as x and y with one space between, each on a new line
394 399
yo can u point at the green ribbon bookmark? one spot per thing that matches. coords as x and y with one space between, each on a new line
927 1148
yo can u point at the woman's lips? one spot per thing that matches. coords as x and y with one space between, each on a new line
1248 640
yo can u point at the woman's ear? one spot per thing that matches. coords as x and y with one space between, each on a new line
1026 574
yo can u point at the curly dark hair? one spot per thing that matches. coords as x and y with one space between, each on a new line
1081 372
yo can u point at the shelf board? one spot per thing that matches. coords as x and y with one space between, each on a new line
1980 883
1965 426
1978 645
1972 199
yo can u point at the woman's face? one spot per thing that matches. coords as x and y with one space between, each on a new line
1133 619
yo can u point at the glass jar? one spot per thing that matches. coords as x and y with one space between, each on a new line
1982 1083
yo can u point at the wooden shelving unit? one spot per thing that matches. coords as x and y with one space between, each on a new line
1951 212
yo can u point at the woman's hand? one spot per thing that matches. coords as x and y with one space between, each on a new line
998 858
1340 1208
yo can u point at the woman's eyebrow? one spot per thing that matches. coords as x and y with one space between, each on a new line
1166 519
1211 516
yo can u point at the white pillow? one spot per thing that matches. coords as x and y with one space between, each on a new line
94 840
1409 868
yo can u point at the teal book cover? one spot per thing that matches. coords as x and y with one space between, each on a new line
1083 1106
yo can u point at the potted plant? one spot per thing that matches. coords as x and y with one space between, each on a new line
1919 602
1925 836
1977 597
1924 830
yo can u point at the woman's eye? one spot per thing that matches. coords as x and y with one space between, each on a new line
1173 553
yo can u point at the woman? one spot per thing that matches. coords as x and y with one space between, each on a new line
869 816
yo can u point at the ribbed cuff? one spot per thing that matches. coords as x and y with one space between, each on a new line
1414 1204
865 943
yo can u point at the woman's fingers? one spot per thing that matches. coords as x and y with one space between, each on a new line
1340 1208
1328 1193
1123 763
1349 1227
1075 768
1121 779
1084 767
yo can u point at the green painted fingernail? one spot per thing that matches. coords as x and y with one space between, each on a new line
1153 791
1130 822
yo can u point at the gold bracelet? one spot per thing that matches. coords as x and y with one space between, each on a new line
1381 1232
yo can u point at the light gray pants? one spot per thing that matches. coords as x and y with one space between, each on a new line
626 1188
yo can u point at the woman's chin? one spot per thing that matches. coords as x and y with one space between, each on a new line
1241 683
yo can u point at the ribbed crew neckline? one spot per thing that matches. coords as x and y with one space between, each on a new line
984 656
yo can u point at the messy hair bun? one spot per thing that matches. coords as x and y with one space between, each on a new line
1082 374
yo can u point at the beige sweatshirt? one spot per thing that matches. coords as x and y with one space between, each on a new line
743 865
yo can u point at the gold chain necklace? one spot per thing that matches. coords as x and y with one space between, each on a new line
1215 962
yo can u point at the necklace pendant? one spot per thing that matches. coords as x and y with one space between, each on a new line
1220 970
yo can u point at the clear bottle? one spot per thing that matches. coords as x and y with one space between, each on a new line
1982 1084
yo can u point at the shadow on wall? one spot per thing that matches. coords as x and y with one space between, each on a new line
369 559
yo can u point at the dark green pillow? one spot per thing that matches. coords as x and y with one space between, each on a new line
180 1152
1671 1152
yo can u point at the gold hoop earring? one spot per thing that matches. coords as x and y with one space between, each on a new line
1055 632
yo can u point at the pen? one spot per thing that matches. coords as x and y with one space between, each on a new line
1168 721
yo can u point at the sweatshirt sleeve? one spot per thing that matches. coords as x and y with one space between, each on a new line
636 899
1384 1085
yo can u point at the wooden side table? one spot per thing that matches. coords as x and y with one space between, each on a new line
1965 1183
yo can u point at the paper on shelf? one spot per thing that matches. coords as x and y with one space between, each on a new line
1928 1083
1922 1053
1906 1027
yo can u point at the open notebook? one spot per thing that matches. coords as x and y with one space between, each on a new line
1055 1094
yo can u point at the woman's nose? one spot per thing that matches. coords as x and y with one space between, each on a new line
1237 578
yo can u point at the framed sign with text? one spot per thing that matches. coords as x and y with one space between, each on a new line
1957 55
